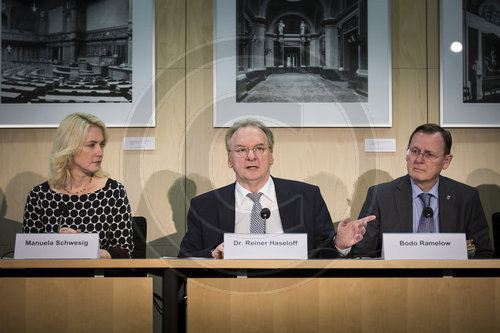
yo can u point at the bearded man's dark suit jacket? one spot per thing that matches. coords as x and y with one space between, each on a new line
301 207
460 211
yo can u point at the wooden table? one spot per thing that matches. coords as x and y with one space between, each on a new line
304 295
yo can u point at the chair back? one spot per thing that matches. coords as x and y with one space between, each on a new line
495 218
139 228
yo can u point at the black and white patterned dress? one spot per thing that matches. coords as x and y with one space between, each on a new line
105 211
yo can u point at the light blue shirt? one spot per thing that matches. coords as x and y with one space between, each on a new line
418 206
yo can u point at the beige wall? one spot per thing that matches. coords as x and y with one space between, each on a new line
190 159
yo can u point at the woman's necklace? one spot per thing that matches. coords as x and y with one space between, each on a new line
81 190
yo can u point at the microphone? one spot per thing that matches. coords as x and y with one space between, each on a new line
62 209
265 213
428 213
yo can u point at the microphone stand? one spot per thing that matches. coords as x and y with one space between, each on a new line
428 213
62 208
265 213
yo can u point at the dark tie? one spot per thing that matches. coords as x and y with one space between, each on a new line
257 224
423 224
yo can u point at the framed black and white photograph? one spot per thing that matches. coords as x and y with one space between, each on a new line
297 63
470 67
60 57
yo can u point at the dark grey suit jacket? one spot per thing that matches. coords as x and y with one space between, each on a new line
460 211
301 206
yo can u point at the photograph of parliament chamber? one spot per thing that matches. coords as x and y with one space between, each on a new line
91 54
190 159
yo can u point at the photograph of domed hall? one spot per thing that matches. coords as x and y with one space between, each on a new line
302 51
66 51
303 63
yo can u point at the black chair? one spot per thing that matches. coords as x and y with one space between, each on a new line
139 228
495 218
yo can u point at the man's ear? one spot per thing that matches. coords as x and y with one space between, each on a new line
447 161
229 160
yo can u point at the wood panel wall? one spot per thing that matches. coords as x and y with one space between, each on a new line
190 158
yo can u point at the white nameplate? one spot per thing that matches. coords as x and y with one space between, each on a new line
265 246
57 246
424 246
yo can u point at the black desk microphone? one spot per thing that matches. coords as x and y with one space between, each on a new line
62 209
428 213
265 213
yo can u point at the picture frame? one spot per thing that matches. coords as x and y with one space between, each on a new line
463 102
376 111
138 111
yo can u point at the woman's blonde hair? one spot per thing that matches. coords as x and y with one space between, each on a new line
69 140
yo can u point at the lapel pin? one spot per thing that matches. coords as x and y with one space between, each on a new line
448 197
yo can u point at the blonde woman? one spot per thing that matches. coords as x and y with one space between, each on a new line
79 196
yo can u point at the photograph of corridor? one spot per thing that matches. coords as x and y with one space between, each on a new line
481 56
297 51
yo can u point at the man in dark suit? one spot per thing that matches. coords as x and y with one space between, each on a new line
295 207
399 204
